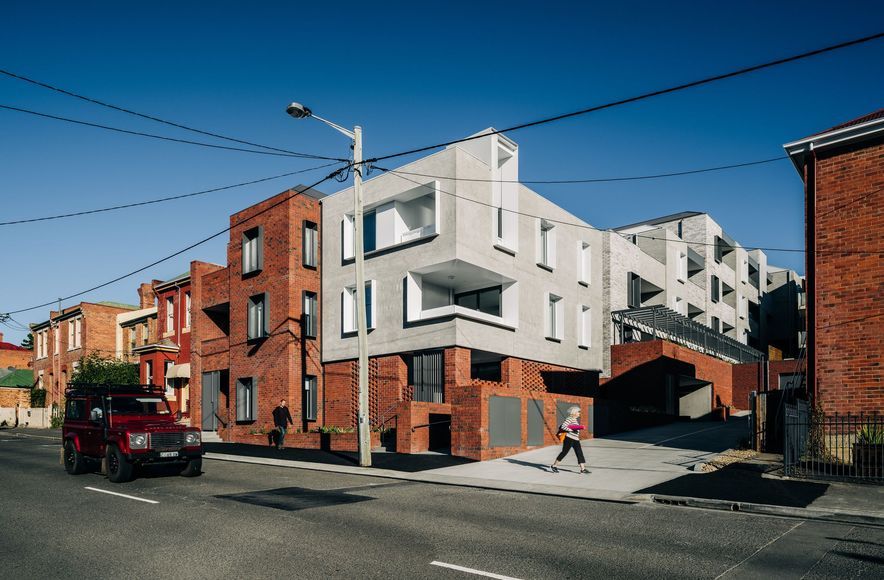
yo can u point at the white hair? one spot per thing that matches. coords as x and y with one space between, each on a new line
573 410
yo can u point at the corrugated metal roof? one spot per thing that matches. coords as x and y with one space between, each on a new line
18 378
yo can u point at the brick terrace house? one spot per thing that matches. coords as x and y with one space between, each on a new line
843 173
68 336
255 336
165 358
13 356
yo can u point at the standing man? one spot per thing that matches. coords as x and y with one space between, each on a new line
282 419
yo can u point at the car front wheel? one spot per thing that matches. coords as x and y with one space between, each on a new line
74 462
118 469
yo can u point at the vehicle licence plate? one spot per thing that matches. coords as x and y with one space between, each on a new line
168 454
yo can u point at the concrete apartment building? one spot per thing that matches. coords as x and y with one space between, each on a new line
786 313
68 336
843 173
255 333
463 287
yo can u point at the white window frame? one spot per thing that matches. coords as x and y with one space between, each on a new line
681 266
584 328
170 314
148 372
546 244
554 316
72 341
170 390
584 253
348 311
187 305
40 380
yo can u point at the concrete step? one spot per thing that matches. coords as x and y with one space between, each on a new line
210 437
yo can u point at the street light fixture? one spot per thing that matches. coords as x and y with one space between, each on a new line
299 111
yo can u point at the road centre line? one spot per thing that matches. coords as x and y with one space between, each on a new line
121 495
472 571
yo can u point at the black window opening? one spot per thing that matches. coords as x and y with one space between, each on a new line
310 245
311 323
427 376
487 371
716 324
310 398
486 300
246 399
715 289
369 231
634 291
253 250
719 249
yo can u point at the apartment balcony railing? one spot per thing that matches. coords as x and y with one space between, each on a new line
659 322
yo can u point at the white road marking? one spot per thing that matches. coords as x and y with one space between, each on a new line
759 549
56 438
121 495
472 571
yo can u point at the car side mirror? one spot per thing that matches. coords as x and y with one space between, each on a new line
96 416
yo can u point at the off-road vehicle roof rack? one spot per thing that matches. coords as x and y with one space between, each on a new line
75 389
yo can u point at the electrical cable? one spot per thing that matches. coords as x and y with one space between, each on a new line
178 253
145 116
164 138
641 97
164 199
596 179
589 227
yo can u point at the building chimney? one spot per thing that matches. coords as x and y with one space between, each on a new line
145 295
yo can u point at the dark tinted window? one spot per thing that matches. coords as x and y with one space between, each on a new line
76 410
139 406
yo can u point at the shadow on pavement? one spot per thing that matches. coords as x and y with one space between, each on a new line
393 461
735 483
295 498
699 435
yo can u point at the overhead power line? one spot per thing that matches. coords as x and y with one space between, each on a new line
643 96
644 236
165 138
164 199
594 179
178 253
145 116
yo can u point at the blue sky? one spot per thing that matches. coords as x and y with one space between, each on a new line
411 74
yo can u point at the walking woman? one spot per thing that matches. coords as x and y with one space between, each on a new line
571 428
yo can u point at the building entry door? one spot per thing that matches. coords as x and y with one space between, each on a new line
211 390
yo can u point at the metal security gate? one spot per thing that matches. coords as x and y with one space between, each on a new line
428 376
796 423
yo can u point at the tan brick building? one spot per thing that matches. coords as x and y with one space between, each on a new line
14 356
843 173
68 336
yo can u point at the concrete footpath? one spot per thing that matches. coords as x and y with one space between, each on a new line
651 465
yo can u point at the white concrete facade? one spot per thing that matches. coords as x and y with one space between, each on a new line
487 264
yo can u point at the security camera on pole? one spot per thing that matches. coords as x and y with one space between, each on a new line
299 111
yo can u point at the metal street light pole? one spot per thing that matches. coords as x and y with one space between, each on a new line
299 111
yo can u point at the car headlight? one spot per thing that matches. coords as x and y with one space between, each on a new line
192 438
137 440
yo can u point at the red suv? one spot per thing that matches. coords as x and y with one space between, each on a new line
126 425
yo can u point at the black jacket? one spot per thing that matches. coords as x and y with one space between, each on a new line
281 415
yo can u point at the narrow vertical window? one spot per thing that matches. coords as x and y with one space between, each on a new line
585 257
187 309
258 324
310 398
170 314
253 250
585 328
310 245
310 318
554 317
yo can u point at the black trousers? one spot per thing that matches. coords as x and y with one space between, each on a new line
569 444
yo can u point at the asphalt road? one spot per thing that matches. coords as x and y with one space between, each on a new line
249 521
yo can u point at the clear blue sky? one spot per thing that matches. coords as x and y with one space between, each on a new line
411 74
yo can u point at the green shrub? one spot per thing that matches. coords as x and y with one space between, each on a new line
335 429
38 398
870 435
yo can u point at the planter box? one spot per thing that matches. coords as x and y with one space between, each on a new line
868 459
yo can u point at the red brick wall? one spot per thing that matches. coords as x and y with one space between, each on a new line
748 377
470 436
643 366
279 362
846 288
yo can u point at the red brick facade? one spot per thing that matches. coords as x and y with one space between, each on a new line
749 377
98 332
845 270
278 363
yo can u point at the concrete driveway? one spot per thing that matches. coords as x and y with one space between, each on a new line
625 462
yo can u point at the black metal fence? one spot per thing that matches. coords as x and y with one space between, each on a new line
843 447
